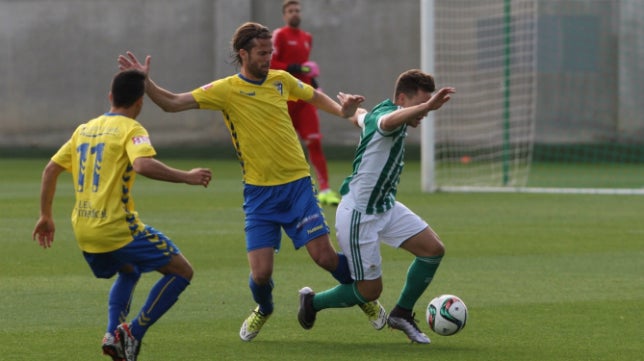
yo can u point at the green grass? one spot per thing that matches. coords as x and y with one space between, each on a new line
586 175
545 277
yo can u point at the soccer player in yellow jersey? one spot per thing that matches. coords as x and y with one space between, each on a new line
104 155
278 190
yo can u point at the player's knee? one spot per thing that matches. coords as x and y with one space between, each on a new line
372 295
261 274
128 268
184 270
326 260
188 272
180 266
322 253
432 250
369 290
431 244
438 248
261 278
130 272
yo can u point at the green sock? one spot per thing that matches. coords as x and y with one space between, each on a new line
343 295
419 276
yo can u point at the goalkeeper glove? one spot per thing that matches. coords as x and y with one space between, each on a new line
294 68
309 68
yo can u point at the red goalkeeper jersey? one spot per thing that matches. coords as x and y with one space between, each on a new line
291 46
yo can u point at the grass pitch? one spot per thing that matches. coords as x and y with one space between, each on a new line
545 277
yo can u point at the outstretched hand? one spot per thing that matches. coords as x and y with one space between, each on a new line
439 98
129 61
350 103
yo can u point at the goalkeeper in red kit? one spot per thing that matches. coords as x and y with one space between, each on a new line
291 49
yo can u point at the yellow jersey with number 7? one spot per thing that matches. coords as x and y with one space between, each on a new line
256 114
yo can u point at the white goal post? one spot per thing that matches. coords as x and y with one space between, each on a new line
543 97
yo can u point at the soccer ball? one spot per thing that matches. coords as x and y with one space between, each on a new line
446 315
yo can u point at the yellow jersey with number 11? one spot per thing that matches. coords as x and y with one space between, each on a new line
99 155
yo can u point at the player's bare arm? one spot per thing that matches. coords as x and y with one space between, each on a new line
155 169
45 227
412 115
165 99
349 103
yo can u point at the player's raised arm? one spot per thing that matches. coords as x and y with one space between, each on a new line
413 114
165 99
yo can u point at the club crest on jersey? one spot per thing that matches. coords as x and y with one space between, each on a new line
279 87
141 139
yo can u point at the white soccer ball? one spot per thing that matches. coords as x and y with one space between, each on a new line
446 315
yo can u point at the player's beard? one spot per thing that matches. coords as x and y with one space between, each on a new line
258 70
294 22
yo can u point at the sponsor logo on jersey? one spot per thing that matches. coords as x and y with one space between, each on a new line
141 139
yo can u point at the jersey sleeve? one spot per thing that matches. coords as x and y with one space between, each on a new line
63 156
360 119
298 90
138 144
378 113
212 96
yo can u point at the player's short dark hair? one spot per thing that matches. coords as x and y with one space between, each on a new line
127 87
287 3
411 81
244 36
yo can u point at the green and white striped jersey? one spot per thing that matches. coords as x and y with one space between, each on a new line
377 165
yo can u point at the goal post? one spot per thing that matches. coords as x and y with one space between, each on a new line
544 96
428 165
485 49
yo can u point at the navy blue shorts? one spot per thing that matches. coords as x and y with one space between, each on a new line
293 207
147 252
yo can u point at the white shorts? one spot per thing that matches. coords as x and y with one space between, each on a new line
359 235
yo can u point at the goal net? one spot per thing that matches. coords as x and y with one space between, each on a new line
546 99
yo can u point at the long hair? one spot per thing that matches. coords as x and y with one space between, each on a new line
244 38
